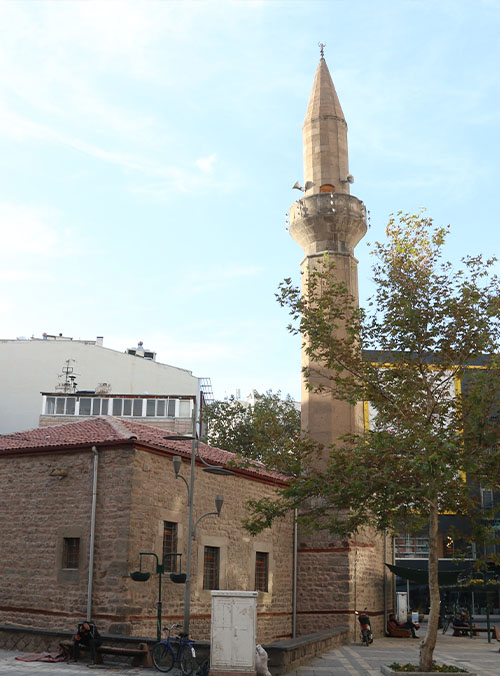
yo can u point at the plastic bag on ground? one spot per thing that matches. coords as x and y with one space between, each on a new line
261 661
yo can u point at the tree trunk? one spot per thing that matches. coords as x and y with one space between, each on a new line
429 643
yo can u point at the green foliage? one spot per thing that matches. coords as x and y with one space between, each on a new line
431 323
408 353
267 430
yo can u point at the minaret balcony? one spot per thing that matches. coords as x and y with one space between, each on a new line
328 222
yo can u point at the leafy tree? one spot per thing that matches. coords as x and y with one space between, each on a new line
266 430
431 323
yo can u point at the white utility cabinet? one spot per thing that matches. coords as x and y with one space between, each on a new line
402 606
233 631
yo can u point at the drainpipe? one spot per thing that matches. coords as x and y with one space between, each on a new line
385 584
92 536
355 585
294 576
393 576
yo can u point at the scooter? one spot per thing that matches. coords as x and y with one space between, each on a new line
366 634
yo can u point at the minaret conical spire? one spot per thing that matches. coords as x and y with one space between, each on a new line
324 134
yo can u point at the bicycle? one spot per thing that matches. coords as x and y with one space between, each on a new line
180 650
447 621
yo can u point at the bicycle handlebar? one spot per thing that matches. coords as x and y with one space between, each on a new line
173 626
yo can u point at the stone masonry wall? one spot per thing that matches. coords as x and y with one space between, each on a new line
323 593
335 578
157 497
368 553
38 510
137 491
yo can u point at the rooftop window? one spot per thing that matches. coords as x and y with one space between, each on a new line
134 407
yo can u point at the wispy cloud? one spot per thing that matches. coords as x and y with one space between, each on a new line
28 231
32 239
206 164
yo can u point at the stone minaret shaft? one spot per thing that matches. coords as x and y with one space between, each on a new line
334 577
327 220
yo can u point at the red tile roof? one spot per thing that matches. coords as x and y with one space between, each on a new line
109 431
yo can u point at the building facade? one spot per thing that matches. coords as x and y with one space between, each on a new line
47 477
61 364
170 412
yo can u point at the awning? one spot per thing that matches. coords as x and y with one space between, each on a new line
421 576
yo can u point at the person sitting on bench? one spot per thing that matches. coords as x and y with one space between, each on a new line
86 636
402 625
461 619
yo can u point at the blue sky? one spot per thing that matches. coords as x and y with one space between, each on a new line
148 149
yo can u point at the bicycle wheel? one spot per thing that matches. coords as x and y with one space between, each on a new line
446 624
162 657
187 661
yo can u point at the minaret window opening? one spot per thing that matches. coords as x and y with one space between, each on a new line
327 187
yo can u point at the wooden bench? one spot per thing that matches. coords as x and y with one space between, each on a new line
493 630
140 655
460 631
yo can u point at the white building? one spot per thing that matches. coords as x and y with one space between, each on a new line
59 364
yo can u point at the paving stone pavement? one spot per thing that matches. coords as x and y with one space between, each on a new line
476 655
354 659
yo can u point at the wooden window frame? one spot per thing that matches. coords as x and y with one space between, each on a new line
211 567
71 553
262 571
170 544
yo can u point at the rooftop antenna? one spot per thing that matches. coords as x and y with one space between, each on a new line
68 385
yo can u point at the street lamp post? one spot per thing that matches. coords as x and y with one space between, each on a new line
140 576
219 499
143 576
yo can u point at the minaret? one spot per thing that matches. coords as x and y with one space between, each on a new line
327 220
334 578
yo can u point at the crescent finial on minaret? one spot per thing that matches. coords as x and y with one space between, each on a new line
322 46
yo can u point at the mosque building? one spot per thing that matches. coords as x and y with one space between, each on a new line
106 487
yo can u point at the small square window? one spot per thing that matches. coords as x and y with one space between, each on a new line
211 568
71 553
262 571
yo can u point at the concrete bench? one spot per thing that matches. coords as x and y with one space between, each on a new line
140 655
